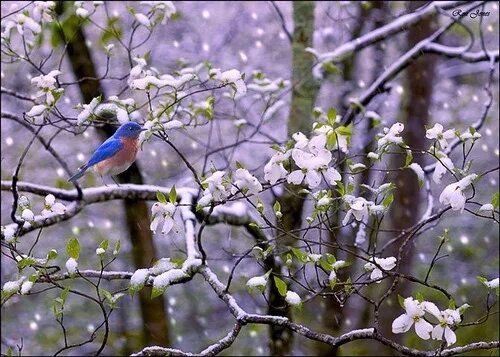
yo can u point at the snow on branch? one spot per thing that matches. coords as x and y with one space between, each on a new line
395 27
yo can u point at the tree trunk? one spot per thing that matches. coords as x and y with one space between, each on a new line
305 89
416 102
335 313
154 316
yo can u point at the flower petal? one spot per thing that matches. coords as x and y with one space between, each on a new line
402 324
423 329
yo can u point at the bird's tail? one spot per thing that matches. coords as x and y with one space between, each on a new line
80 173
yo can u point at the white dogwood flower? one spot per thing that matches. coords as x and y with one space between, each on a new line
436 133
446 319
244 180
453 193
162 211
52 206
274 170
442 166
385 263
414 314
391 135
358 208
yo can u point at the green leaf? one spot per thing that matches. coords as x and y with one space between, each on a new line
401 301
25 262
388 200
325 264
172 195
118 245
495 200
277 206
64 294
107 294
239 165
420 297
160 197
408 158
330 258
73 248
104 244
158 291
52 254
301 256
332 115
331 140
482 280
281 285
330 68
451 305
344 130
340 188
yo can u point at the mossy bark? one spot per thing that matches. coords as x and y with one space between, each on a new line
154 315
305 89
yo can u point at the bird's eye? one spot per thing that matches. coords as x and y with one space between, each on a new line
130 128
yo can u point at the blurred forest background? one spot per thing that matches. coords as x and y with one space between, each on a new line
250 36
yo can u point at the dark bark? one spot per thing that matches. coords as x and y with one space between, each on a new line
335 310
416 102
154 316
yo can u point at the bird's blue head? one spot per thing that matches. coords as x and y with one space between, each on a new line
128 130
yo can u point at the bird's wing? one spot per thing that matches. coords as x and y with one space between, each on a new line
108 148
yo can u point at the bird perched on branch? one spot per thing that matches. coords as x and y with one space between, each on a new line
116 154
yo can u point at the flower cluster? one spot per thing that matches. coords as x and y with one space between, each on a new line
51 206
415 311
312 157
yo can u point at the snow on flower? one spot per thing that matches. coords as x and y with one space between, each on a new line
488 207
51 206
292 298
385 263
418 171
257 283
26 287
142 19
358 208
28 215
492 284
244 180
100 251
162 211
453 193
442 166
215 188
9 233
12 287
36 110
71 265
139 277
391 135
233 77
88 109
332 278
436 133
414 314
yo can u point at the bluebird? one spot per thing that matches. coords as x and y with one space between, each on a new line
116 154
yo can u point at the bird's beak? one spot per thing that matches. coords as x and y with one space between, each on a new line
144 129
